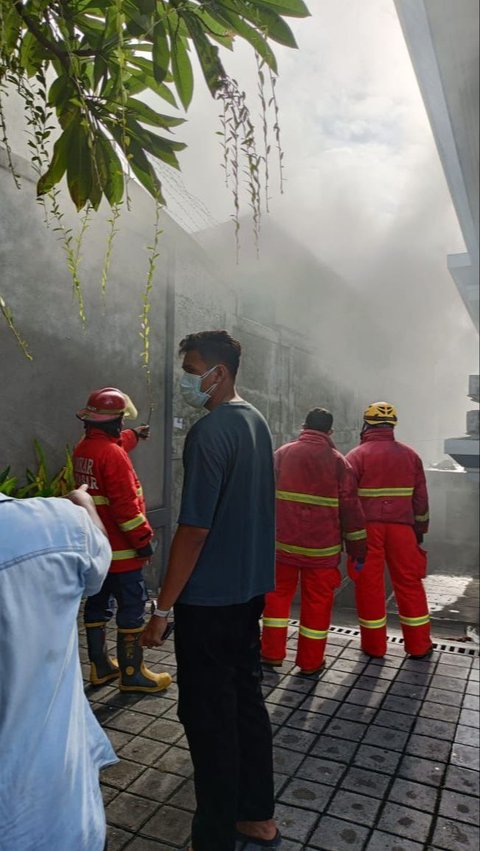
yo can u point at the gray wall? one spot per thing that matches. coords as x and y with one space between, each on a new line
40 398
453 538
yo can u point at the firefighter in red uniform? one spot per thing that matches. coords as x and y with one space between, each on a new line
317 506
101 461
393 490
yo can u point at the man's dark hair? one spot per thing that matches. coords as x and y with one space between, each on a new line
319 419
111 427
214 347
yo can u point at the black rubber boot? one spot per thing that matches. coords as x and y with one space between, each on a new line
134 675
103 669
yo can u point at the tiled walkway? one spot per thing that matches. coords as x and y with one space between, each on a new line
371 756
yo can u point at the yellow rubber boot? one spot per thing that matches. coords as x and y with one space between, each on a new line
134 675
103 669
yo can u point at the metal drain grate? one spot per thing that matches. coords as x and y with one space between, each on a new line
455 648
344 630
443 646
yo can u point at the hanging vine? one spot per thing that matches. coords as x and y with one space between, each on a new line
276 128
4 141
112 232
224 133
38 116
145 326
8 316
264 117
240 154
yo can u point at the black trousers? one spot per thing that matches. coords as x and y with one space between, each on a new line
222 709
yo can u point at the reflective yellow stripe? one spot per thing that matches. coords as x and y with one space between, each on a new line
318 634
356 536
119 555
278 623
97 623
136 629
424 619
308 498
140 491
101 500
385 492
420 518
308 551
373 624
116 412
133 523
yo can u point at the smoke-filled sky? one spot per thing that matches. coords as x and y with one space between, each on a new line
357 142
365 192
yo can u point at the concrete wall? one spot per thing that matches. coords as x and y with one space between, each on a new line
442 38
40 398
453 539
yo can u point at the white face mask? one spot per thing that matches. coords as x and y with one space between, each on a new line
190 388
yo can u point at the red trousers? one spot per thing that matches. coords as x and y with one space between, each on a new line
317 585
395 544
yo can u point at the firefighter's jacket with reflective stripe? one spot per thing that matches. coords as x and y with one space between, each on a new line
101 461
317 504
391 480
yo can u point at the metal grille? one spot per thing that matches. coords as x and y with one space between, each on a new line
443 646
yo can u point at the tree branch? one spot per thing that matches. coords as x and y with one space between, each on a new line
34 28
62 55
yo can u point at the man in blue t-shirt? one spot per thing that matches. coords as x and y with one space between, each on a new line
220 567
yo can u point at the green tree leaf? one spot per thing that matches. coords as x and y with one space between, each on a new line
101 54
293 8
270 23
11 27
58 163
163 149
144 171
250 34
160 52
79 165
207 53
181 69
32 54
114 179
147 115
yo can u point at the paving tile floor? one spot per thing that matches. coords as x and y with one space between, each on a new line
452 600
372 755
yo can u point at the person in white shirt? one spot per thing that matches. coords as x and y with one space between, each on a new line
52 552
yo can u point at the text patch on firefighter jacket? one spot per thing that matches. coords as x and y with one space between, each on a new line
391 480
317 504
101 461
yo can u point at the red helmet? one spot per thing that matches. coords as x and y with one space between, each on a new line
104 405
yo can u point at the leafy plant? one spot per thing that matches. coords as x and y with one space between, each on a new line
39 482
104 58
7 482
103 54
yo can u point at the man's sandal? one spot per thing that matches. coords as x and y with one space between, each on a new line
255 841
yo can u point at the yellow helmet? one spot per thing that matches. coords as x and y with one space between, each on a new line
380 412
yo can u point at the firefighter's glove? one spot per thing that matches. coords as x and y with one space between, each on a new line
419 536
142 432
355 567
148 550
